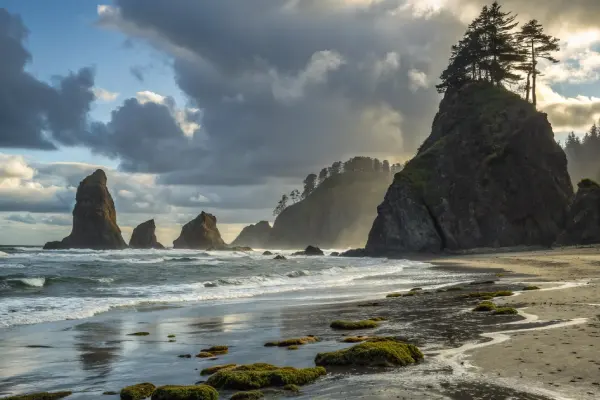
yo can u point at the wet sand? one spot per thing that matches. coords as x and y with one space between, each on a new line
549 351
565 360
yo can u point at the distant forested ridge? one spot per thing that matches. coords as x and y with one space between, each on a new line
584 155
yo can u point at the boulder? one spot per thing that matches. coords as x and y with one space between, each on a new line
201 234
267 253
489 175
583 224
256 236
144 237
310 251
279 257
94 218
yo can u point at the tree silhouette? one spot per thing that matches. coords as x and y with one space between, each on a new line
536 45
282 205
385 166
295 196
310 183
323 175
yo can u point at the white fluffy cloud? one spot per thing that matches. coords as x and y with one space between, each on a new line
105 95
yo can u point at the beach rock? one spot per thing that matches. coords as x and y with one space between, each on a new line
40 396
583 225
334 254
489 175
144 237
195 392
267 253
310 251
279 257
94 218
256 236
201 234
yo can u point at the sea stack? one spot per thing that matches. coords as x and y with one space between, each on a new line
201 234
94 218
256 236
144 237
583 225
489 175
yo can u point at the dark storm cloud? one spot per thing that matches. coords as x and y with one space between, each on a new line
285 88
28 107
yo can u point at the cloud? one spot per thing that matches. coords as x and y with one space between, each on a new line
137 72
34 114
105 95
58 220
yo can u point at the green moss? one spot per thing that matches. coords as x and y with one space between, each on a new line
351 325
488 295
382 353
531 288
40 396
485 306
172 341
354 339
204 354
292 388
139 334
171 336
195 392
249 395
216 350
503 293
378 319
293 347
505 311
409 294
216 368
257 376
137 392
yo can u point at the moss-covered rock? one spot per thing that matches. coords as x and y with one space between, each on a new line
216 368
248 395
258 376
394 295
485 306
293 347
292 388
139 334
185 356
110 393
195 392
354 325
216 350
293 342
171 336
383 353
488 295
506 311
531 288
354 339
40 396
204 354
137 392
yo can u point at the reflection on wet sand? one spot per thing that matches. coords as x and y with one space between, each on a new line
99 346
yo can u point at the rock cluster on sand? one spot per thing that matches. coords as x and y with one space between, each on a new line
144 237
201 234
583 225
489 175
256 236
94 218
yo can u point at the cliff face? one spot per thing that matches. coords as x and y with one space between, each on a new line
94 218
337 214
489 175
256 236
583 224
144 237
201 233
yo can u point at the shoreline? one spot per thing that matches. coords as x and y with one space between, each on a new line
564 358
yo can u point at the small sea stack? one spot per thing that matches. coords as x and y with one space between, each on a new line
200 234
144 237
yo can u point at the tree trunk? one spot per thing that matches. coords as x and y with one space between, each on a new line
528 86
534 72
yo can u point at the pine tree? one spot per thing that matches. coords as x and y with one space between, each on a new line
385 166
282 205
537 45
295 196
310 183
323 175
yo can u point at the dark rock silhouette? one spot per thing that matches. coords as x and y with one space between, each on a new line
267 253
94 218
201 233
583 224
279 257
489 175
310 251
256 236
144 237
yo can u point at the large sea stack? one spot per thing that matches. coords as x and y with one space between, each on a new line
94 218
201 234
144 237
489 175
583 225
256 236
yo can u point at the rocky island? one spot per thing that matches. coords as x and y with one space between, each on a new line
200 234
144 237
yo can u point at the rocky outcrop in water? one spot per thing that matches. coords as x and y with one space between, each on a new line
201 233
256 236
94 218
489 175
310 251
144 237
583 224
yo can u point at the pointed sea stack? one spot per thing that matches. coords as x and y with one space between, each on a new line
583 225
94 218
201 234
489 175
256 236
144 237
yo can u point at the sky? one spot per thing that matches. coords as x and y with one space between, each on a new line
222 106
